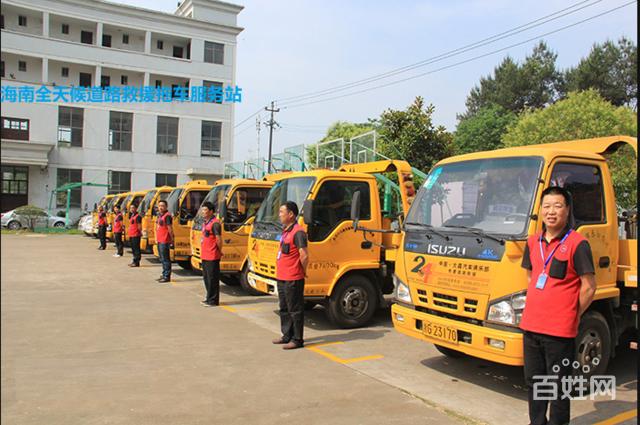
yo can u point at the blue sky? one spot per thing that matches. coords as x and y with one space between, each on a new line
290 48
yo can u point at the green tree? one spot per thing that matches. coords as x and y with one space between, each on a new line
515 87
583 115
31 213
612 69
483 131
340 129
412 135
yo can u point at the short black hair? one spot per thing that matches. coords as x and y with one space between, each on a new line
133 204
568 200
208 205
291 206
162 201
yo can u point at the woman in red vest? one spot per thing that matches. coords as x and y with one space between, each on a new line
118 222
134 233
291 269
210 253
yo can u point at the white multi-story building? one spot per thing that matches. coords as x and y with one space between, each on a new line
128 145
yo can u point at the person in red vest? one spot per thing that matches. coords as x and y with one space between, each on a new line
102 228
210 253
134 233
562 284
118 222
164 239
291 269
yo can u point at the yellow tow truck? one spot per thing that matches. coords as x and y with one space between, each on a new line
347 273
459 284
104 201
183 204
241 199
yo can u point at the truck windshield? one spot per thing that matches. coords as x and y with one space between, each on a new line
146 202
173 200
215 196
493 195
295 189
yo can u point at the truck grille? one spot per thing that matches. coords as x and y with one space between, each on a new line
469 305
265 269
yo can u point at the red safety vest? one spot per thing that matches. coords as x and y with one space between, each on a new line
102 219
288 265
117 223
209 247
134 227
162 229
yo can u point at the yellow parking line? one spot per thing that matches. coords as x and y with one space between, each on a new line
316 349
619 418
229 309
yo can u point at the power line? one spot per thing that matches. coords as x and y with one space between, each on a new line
489 40
247 118
296 105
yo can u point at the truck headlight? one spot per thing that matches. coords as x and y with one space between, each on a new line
507 310
250 264
402 290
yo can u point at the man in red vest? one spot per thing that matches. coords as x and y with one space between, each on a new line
118 222
134 233
562 284
291 269
102 228
164 238
210 253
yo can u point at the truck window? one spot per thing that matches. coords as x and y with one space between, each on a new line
332 206
585 184
191 204
244 203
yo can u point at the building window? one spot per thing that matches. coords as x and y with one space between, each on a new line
15 128
166 180
208 84
120 130
213 52
167 135
124 80
119 181
158 83
64 176
177 51
22 21
106 40
22 66
105 81
86 37
160 44
1 68
15 180
65 28
125 38
210 139
65 71
85 79
70 125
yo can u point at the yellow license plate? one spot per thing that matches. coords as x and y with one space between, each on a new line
261 286
443 333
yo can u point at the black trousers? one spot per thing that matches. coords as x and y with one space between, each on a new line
135 248
102 235
119 244
543 354
291 297
211 277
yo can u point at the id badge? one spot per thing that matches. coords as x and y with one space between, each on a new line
279 254
542 280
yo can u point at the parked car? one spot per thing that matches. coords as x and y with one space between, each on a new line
86 224
13 221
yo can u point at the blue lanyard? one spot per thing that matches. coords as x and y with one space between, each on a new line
544 267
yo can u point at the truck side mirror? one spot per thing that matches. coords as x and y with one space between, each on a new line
307 212
355 207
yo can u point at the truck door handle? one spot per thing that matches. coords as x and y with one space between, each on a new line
604 262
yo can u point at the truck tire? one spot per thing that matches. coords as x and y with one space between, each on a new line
230 279
244 283
185 264
449 352
353 302
593 345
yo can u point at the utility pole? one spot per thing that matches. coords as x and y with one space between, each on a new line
271 123
258 127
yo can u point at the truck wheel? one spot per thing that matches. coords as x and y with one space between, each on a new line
593 345
244 283
353 302
454 354
229 279
185 264
309 305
